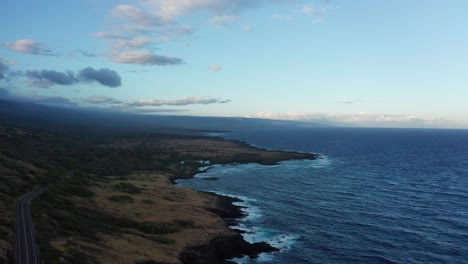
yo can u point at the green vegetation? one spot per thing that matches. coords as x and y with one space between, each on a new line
148 262
73 164
184 223
121 198
71 189
127 188
74 256
162 240
158 228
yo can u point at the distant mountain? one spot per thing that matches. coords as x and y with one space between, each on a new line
68 119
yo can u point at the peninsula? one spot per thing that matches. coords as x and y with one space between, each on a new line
111 199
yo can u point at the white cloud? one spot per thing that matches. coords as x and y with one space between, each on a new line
223 19
174 8
102 100
286 18
316 12
308 10
131 43
28 46
350 102
7 61
141 23
200 100
248 28
215 68
144 58
174 33
136 16
105 35
365 119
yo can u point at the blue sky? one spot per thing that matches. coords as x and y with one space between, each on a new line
361 63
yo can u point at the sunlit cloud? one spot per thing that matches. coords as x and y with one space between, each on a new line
223 19
136 16
179 102
144 58
350 102
102 100
308 10
215 68
317 12
28 46
364 119
282 17
248 28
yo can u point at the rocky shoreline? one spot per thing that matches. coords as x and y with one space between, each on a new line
222 248
118 202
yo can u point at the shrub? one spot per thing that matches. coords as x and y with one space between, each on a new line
71 189
127 187
162 240
185 223
121 198
158 228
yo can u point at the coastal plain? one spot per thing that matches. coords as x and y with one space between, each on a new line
113 199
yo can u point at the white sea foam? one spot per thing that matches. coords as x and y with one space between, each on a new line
227 169
214 134
282 242
262 258
255 234
248 225
321 162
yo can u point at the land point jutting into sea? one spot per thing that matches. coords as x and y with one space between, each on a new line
112 199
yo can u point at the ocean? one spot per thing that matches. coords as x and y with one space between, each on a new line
376 196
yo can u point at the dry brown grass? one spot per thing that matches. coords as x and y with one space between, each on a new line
155 199
170 203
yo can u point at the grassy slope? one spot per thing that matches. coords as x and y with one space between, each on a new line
110 199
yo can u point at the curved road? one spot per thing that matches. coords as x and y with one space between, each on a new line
26 246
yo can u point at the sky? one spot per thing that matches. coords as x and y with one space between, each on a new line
358 63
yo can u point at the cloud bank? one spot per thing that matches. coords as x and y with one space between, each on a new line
363 119
47 78
53 100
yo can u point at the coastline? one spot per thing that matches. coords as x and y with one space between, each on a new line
114 199
221 249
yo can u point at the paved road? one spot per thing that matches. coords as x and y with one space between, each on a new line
26 246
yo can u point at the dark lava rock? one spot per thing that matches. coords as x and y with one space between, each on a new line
222 248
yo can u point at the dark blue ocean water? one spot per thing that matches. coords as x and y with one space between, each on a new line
378 196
